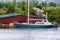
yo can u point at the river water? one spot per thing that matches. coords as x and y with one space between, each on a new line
30 34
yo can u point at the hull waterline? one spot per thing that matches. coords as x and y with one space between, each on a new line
32 26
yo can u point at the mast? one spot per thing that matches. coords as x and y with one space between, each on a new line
28 11
45 11
46 16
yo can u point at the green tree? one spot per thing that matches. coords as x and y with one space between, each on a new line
43 4
24 7
1 5
11 9
52 4
3 10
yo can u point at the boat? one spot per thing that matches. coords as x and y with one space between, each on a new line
37 24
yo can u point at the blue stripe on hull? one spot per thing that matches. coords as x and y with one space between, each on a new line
32 26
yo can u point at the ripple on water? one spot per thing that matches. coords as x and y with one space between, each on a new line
30 34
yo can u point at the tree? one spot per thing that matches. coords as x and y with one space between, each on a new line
24 7
11 9
3 10
53 13
52 4
44 3
1 4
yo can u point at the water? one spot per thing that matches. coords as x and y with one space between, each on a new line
30 34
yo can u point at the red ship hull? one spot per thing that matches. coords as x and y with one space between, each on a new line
17 18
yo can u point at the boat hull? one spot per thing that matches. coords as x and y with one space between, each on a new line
32 26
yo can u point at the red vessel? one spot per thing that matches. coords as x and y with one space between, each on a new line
11 18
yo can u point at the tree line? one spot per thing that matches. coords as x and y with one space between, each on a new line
52 8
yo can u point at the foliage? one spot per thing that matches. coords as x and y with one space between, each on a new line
3 10
52 9
43 4
52 4
22 8
11 9
53 13
1 4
